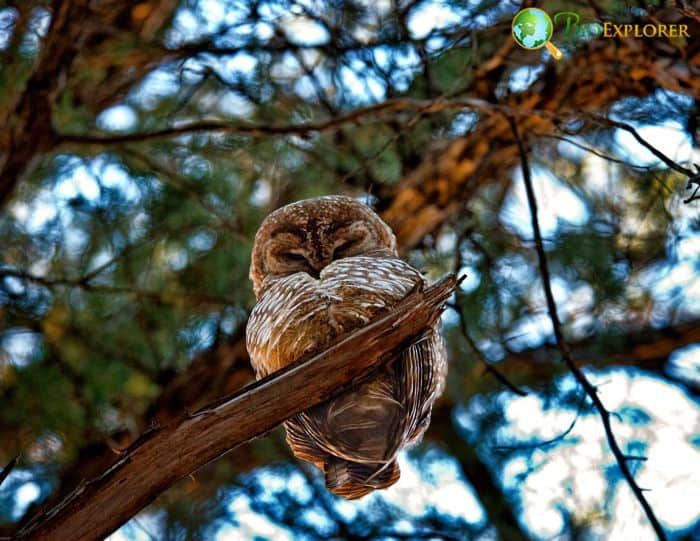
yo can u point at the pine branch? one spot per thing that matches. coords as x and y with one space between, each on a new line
165 454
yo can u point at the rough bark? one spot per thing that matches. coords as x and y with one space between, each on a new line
165 454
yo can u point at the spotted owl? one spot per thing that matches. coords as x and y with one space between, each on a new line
322 268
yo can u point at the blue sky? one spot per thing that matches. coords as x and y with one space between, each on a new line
573 475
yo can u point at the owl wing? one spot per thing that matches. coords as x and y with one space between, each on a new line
281 326
421 372
354 437
371 422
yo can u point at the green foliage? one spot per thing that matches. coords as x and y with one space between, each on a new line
126 261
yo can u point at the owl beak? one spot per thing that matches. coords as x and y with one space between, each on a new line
317 265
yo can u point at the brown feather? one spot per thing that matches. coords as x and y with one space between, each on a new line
355 437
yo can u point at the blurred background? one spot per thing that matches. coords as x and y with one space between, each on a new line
130 196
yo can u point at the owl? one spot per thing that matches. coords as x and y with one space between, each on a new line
322 268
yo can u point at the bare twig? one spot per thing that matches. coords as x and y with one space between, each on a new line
695 179
556 439
593 151
84 284
646 144
563 346
261 130
490 368
165 454
7 469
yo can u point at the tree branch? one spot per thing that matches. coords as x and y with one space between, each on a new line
8 469
85 284
647 348
29 130
563 346
262 130
165 454
488 367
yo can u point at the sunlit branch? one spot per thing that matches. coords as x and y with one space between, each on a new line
165 454
563 346
687 10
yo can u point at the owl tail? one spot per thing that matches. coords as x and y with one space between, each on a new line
353 480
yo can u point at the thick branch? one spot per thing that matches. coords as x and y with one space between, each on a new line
29 130
598 75
165 454
225 368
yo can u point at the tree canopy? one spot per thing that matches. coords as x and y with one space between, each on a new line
143 142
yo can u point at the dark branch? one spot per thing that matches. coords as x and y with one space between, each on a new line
563 346
490 368
556 439
262 130
8 469
85 284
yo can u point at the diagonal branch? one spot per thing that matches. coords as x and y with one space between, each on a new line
165 454
488 366
8 469
563 346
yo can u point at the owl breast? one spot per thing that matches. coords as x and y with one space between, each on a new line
353 438
299 315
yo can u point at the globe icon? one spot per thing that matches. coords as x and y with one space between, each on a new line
532 29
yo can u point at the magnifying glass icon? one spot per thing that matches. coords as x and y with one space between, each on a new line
532 29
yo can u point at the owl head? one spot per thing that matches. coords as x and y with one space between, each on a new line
308 235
